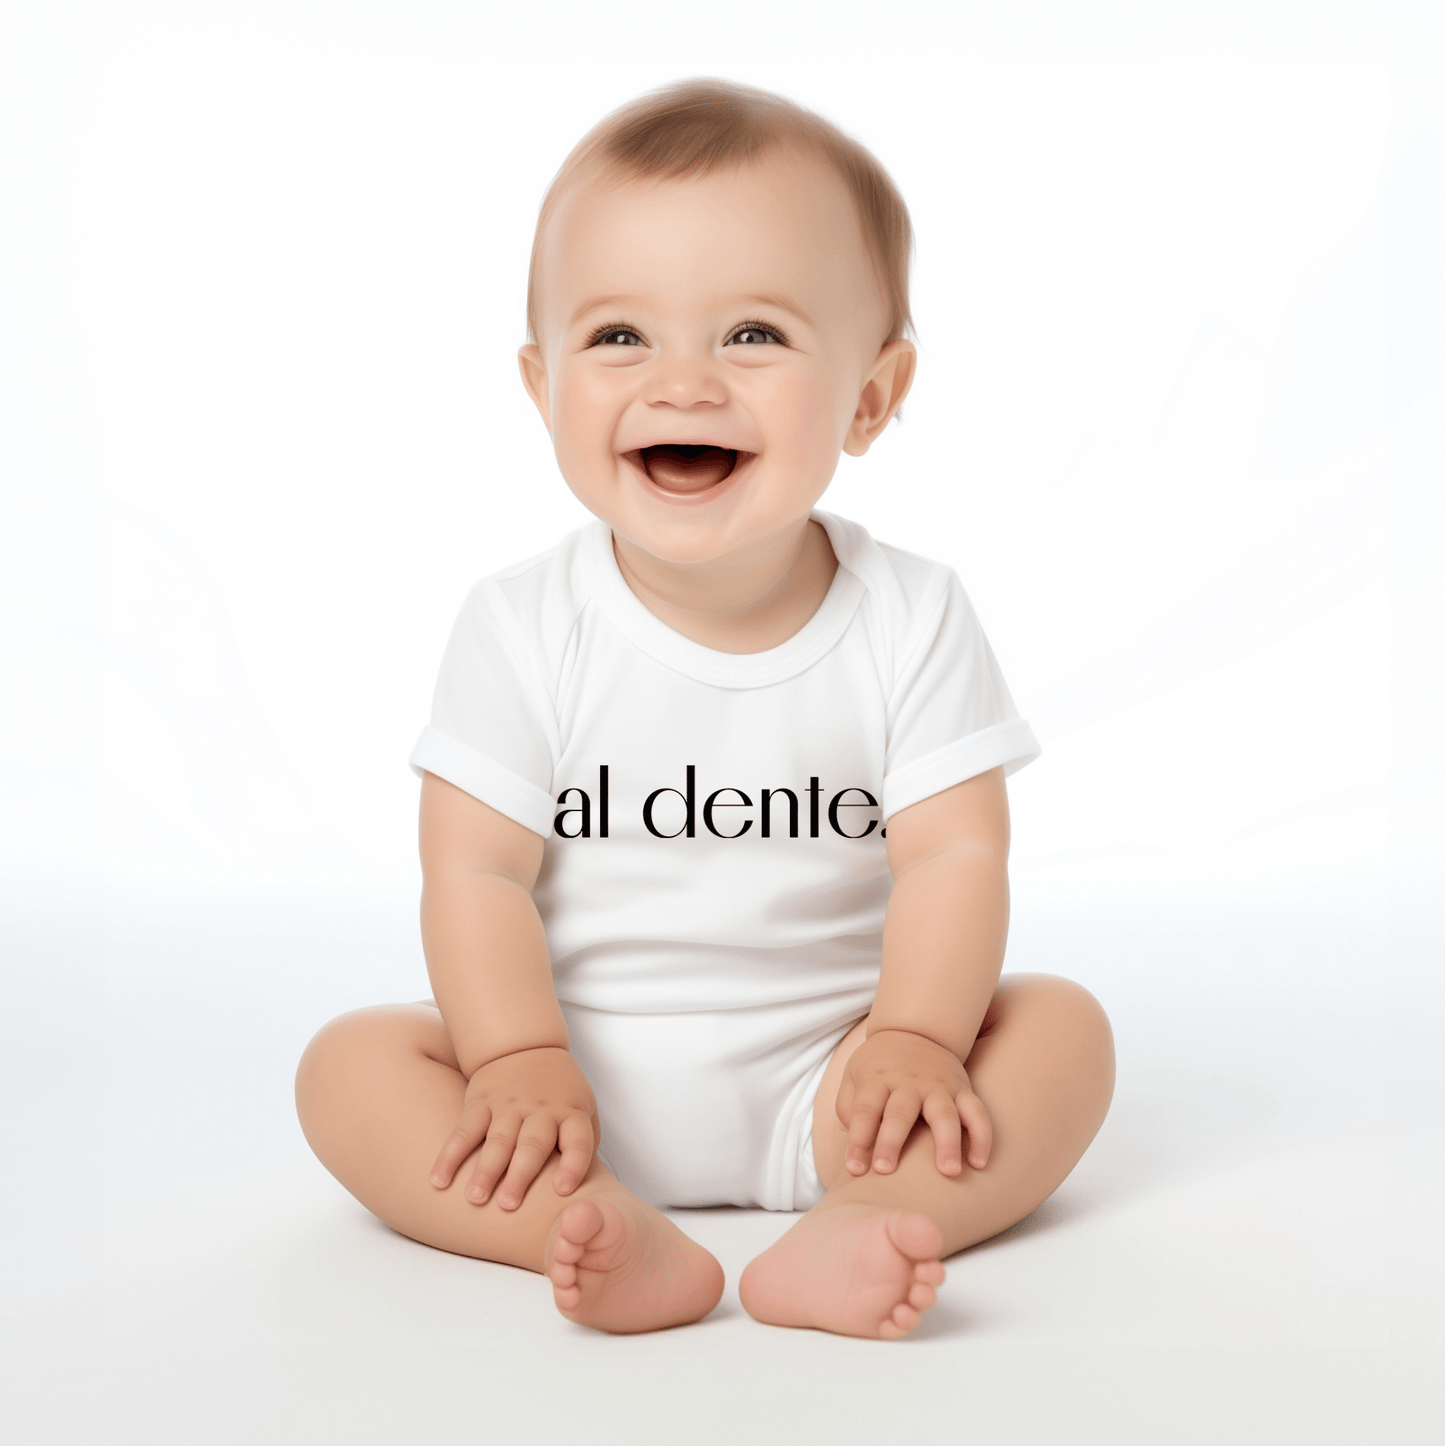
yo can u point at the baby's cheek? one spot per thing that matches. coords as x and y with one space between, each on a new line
584 418
806 423
579 405
835 402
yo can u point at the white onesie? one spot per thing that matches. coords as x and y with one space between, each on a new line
715 872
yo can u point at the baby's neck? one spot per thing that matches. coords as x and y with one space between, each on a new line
736 605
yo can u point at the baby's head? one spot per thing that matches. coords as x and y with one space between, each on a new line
717 306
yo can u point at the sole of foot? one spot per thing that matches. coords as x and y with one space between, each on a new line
621 1266
856 1270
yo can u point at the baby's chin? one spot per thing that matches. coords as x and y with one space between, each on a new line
733 534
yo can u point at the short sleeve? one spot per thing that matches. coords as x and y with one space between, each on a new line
492 732
950 715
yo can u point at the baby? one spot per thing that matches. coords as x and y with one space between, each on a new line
714 831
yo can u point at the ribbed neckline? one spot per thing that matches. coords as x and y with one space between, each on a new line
621 606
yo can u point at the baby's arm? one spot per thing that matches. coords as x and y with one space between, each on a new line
943 946
486 953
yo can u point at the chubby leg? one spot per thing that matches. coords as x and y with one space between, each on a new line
865 1259
379 1090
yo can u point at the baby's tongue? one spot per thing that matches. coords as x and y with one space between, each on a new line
687 469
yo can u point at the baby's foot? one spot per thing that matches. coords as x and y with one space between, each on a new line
860 1270
620 1265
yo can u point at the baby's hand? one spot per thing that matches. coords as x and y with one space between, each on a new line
892 1078
524 1106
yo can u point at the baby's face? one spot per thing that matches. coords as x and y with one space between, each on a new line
704 347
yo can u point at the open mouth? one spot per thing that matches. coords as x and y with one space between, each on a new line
685 468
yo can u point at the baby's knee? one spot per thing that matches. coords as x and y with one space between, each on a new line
343 1062
1082 1010
1088 1037
321 1074
1071 1015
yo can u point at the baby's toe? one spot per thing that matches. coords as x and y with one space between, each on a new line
915 1235
905 1317
920 1296
576 1226
567 1252
929 1272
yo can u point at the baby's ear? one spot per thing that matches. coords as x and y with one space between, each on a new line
884 389
534 378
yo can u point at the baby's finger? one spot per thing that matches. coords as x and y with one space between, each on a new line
534 1146
898 1121
574 1139
495 1156
471 1130
863 1127
974 1114
942 1116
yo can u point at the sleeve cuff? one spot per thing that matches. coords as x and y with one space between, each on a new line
1011 744
478 775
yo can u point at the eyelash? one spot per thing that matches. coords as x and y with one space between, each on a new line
611 328
771 330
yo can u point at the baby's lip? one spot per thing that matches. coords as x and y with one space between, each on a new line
687 468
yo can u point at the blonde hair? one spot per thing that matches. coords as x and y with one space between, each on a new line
697 126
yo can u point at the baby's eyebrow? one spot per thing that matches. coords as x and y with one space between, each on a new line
622 301
596 303
781 303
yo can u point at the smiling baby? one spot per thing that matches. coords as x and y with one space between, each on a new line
714 830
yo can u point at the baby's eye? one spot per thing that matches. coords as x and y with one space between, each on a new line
615 336
753 333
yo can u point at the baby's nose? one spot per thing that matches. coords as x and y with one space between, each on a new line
687 381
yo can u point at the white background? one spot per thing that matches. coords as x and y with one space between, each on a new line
1180 312
1178 424
1152 429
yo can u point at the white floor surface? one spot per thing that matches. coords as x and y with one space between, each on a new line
1250 1252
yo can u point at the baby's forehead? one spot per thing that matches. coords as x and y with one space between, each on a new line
779 212
756 171
755 180
701 129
